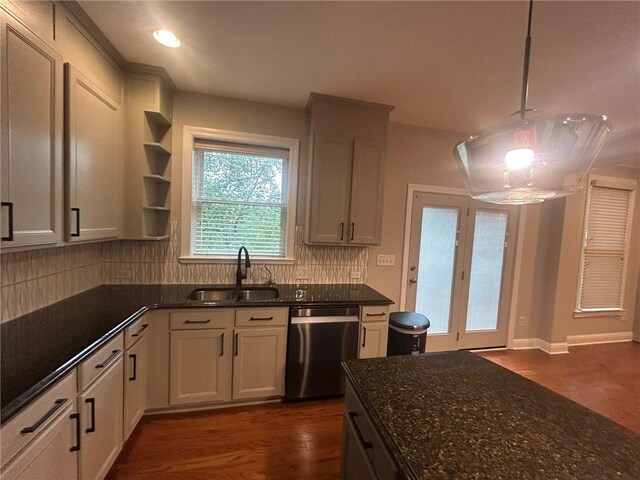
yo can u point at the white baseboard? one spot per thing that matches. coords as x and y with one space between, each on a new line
531 343
595 338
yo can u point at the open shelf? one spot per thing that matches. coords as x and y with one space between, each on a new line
158 209
159 237
157 178
157 149
158 124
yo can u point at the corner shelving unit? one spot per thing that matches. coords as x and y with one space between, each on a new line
148 144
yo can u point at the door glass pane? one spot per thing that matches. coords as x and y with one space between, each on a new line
436 265
486 269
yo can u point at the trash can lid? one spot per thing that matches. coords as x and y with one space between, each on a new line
409 320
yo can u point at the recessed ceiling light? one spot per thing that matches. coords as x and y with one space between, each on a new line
166 38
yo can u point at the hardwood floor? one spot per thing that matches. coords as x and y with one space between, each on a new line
303 440
604 378
273 441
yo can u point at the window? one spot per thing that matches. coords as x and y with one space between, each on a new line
606 244
242 192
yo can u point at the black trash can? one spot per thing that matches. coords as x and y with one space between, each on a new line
407 333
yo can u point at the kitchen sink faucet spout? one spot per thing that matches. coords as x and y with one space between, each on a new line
241 273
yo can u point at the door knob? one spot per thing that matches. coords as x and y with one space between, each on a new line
413 280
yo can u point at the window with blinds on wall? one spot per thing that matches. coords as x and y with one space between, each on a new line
605 248
239 198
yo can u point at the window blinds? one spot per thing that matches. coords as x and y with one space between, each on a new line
604 255
239 197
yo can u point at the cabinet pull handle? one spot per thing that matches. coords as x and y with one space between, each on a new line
77 232
197 321
110 358
9 237
222 345
139 332
56 406
92 402
364 336
341 231
76 417
235 352
363 442
376 314
353 231
260 318
133 357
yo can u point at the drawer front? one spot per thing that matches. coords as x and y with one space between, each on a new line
135 332
36 417
375 313
377 453
201 319
97 363
254 317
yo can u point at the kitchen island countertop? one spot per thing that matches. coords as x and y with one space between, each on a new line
41 347
456 415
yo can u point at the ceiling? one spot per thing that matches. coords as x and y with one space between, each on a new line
447 65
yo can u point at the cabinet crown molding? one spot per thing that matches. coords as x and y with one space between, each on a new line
315 97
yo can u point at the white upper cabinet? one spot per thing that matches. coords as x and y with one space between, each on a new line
94 161
32 131
346 181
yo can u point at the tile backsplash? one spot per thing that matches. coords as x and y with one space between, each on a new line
37 278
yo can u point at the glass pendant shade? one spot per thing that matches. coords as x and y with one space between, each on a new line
533 159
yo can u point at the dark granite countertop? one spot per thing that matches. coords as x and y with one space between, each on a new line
456 415
39 348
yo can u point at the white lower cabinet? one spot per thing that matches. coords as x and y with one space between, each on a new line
259 362
53 454
135 384
211 361
200 366
374 331
101 408
373 339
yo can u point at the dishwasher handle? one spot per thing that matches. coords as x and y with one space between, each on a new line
325 311
314 320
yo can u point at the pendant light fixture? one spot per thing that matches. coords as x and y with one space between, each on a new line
531 158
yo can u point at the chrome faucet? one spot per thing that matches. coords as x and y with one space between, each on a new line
241 273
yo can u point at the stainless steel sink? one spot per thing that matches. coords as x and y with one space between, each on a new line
212 294
257 294
226 294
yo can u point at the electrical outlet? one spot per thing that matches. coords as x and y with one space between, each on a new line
521 321
386 260
302 273
355 273
123 272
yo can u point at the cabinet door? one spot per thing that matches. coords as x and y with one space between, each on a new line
135 382
258 362
94 180
52 455
329 190
200 366
355 464
367 186
100 408
31 137
373 339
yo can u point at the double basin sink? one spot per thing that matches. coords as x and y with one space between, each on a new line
227 294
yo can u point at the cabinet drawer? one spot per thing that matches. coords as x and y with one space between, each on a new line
253 317
375 313
377 453
38 416
97 363
200 319
135 332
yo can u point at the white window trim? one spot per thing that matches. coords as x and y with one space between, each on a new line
611 182
190 133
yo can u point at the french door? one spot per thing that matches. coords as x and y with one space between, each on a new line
460 270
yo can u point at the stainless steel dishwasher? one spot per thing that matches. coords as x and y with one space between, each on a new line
319 339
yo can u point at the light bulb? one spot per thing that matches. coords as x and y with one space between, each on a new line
166 38
518 158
